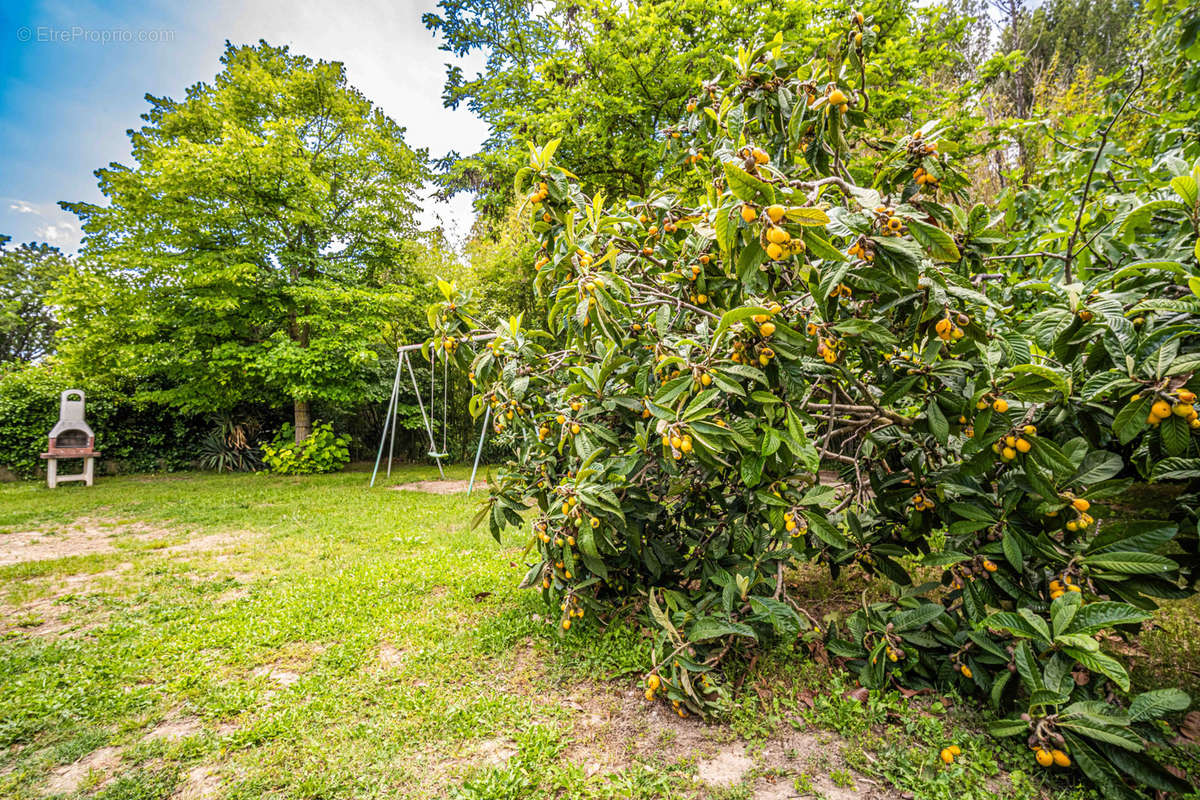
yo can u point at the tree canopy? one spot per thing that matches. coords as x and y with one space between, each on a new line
27 276
257 246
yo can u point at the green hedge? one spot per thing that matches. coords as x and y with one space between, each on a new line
134 438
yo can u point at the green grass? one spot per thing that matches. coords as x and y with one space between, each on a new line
311 638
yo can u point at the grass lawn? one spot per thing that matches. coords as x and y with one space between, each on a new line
251 636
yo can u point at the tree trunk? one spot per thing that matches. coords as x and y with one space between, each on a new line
303 421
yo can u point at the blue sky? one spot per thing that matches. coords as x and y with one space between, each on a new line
74 73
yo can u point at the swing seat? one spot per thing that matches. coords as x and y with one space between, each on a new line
433 454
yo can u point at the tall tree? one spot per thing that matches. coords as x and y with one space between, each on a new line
27 322
610 78
254 247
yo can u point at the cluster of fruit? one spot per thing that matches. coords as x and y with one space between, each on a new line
828 349
1014 443
947 329
887 223
450 344
679 443
505 410
1060 587
739 356
570 424
753 156
863 248
998 404
1083 520
543 191
948 753
838 99
571 607
1182 406
921 502
1052 757
841 290
918 149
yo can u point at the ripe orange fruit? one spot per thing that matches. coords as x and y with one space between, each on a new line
1081 504
946 755
749 214
1044 757
1000 405
1061 759
1161 409
837 97
776 212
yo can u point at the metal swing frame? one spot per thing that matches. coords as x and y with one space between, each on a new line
389 420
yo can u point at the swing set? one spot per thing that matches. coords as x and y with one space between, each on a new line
403 359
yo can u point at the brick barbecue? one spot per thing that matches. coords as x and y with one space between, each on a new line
71 437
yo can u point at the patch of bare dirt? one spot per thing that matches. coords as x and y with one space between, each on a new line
79 538
200 783
68 778
175 728
611 726
61 609
494 752
207 543
84 537
440 487
390 657
291 662
725 768
277 675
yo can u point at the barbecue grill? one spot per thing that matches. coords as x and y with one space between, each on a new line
71 437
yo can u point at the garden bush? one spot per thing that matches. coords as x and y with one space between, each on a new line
133 437
800 349
323 451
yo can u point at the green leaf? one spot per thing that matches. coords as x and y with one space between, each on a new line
807 215
710 627
917 617
745 186
823 530
819 247
1131 563
1157 703
1176 469
1132 419
939 244
1094 617
1099 662
1003 728
1052 376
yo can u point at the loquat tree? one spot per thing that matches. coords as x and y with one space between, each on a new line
802 356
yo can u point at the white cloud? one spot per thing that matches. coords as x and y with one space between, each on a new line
26 220
64 235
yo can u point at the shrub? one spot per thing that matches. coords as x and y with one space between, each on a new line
710 355
321 452
137 437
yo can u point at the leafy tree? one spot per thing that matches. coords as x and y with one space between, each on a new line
27 322
610 79
258 244
497 268
800 300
